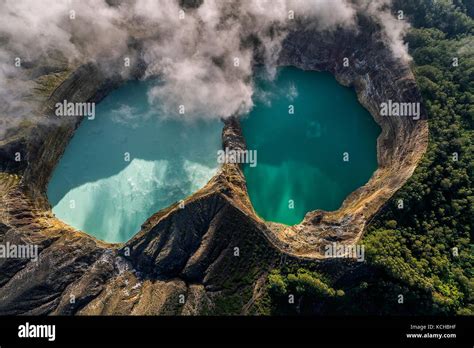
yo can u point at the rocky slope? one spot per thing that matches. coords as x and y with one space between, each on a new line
212 254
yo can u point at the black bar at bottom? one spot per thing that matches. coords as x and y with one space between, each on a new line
290 331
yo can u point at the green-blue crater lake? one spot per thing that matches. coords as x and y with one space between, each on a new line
130 162
315 145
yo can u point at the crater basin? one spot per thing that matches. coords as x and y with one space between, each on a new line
129 162
315 144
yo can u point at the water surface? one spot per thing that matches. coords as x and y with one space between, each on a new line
313 158
128 163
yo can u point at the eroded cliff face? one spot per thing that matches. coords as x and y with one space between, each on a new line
210 255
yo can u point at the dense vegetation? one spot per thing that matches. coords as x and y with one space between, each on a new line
423 251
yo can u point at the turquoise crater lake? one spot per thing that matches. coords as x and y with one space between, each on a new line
130 162
312 158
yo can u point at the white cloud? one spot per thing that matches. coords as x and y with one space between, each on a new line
194 57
